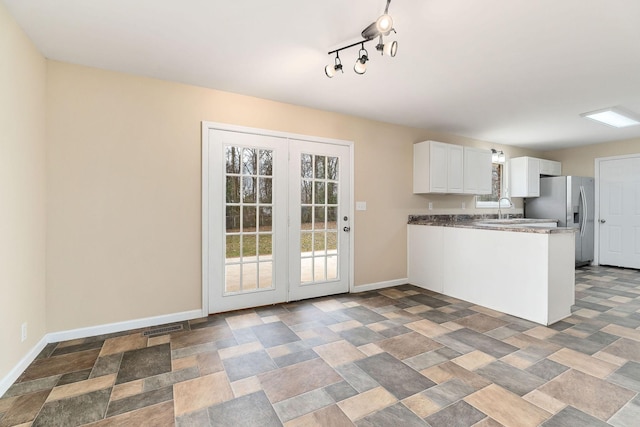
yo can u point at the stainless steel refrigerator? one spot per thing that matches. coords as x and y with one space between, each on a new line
570 200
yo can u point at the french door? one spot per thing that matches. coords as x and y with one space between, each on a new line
619 211
276 218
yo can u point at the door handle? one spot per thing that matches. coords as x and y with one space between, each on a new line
347 229
602 221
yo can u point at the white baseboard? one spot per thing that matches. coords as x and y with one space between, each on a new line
379 285
90 331
17 370
110 328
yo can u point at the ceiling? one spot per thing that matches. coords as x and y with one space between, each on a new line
516 72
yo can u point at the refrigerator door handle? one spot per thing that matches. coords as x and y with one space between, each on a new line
585 212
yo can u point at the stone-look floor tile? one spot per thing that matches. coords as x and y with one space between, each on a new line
517 361
625 348
91 345
544 401
274 334
121 391
200 336
428 328
452 326
481 322
547 369
293 380
302 404
150 416
74 411
421 405
582 362
137 401
628 415
399 379
144 362
575 343
366 403
239 350
246 386
5 404
81 387
248 365
540 332
338 353
74 377
627 376
59 365
418 309
488 422
460 414
610 358
356 377
170 378
361 336
329 305
194 419
122 344
408 345
185 362
570 417
370 349
395 415
363 315
27 387
242 321
515 380
590 396
623 332
329 416
345 326
297 357
474 360
425 360
106 365
491 346
24 408
252 410
340 391
201 392
162 339
448 392
449 370
506 407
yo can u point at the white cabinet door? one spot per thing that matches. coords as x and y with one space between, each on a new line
437 167
550 167
477 170
524 175
455 170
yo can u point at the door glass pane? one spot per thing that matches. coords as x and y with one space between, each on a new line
319 219
249 219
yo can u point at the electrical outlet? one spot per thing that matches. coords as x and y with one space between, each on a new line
24 331
430 206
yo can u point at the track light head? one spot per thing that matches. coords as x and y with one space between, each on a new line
361 62
390 49
331 70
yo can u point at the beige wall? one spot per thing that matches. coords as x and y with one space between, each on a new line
580 161
124 189
22 193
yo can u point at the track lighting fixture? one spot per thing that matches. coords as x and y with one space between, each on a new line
383 26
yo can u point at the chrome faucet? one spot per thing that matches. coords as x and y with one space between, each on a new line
500 205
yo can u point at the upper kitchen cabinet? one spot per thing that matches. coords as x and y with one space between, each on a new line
438 167
550 167
477 170
524 173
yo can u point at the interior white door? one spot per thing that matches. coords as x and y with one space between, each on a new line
619 220
247 246
319 233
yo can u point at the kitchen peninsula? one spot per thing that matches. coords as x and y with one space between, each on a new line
520 267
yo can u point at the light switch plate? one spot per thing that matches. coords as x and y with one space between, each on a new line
361 206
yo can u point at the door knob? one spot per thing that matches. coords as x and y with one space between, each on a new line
347 229
602 221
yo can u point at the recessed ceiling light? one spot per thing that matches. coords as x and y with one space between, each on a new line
613 116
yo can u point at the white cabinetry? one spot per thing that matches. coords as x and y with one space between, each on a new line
550 167
437 167
477 170
524 173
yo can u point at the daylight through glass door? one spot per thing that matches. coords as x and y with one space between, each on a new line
249 219
319 235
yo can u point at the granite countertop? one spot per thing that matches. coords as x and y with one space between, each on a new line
487 222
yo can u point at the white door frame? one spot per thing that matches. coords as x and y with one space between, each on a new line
596 217
206 126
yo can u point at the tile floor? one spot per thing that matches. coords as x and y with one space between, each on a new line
395 357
